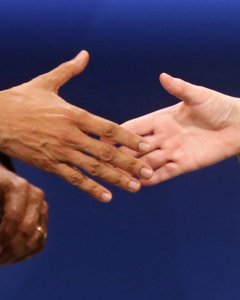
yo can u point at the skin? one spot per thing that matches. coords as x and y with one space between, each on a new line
23 209
199 131
42 129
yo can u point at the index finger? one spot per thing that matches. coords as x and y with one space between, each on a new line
103 128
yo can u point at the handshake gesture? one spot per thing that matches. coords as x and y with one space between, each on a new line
40 128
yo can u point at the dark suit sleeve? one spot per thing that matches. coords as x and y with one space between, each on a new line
6 161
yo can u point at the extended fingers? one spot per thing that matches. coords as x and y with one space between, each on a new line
92 124
104 171
109 154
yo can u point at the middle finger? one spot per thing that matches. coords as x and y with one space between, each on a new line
110 154
103 171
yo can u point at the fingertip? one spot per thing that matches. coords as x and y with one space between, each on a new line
82 55
172 85
106 197
144 147
86 54
85 51
134 186
146 173
165 79
163 75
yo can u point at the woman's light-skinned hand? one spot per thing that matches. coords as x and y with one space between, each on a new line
38 127
201 130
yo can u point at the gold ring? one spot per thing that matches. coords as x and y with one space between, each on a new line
42 231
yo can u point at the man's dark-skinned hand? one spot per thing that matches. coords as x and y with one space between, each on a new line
38 127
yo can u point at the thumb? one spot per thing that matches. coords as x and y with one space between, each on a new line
63 73
187 92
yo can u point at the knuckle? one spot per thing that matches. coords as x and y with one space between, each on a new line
39 194
81 116
95 168
75 179
116 181
109 130
107 153
13 215
95 190
131 165
20 184
114 178
67 66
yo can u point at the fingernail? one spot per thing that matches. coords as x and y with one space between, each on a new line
144 147
134 185
146 173
106 197
80 55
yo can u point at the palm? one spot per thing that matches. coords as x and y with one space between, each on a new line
197 132
190 137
